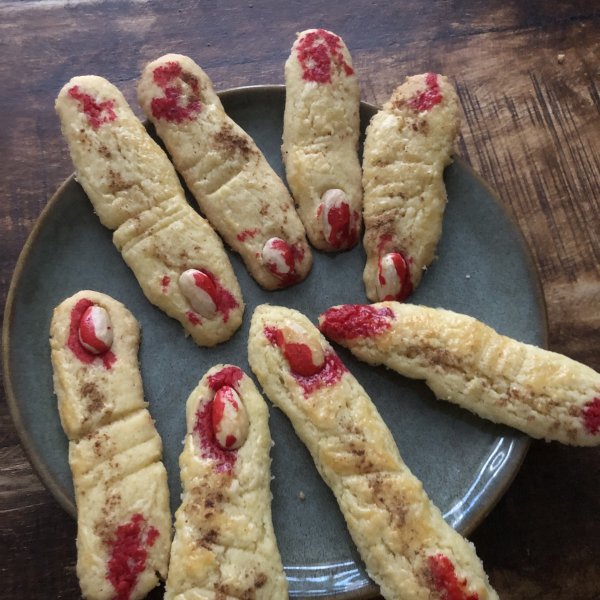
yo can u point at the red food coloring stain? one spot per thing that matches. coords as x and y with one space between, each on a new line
87 333
176 106
298 252
403 273
230 376
217 412
164 284
350 321
384 240
445 581
300 359
97 113
317 52
128 554
308 375
284 249
209 447
591 416
193 317
206 283
343 231
225 395
291 255
402 270
223 299
108 358
426 99
247 234
298 355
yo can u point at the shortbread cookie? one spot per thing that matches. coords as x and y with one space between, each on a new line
234 185
407 547
135 190
320 139
544 394
408 144
115 453
224 544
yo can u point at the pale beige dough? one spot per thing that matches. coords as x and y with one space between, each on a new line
224 544
408 144
135 190
232 181
115 452
462 360
320 137
401 536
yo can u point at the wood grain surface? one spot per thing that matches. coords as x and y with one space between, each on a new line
531 128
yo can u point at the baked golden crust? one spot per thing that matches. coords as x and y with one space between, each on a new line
408 144
408 548
234 185
135 190
224 544
115 453
462 360
320 135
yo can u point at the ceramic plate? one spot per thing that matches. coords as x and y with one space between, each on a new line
465 463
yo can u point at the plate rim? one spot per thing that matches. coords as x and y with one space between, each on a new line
26 441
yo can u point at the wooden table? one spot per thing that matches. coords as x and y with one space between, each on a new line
527 74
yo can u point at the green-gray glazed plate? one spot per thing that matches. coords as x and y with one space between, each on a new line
484 269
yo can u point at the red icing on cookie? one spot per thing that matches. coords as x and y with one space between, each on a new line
205 282
285 252
128 553
299 356
300 359
318 51
444 579
223 299
591 416
298 252
225 395
73 342
384 240
401 266
343 231
178 104
350 321
246 234
281 259
164 283
193 318
209 447
88 334
97 113
226 376
426 99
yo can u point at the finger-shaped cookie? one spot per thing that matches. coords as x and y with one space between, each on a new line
115 453
178 260
407 547
224 544
320 139
542 393
408 143
235 187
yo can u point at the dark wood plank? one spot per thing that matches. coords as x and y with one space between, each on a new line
530 127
